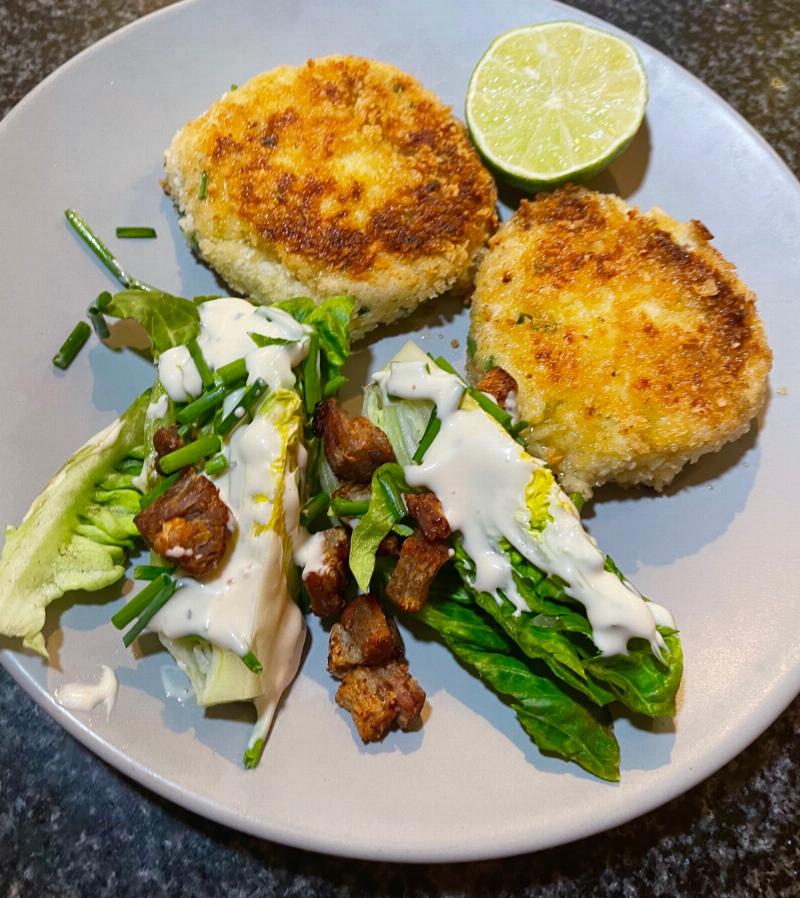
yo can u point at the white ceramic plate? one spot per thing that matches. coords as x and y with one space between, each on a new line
720 549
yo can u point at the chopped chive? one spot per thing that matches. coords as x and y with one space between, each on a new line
394 498
203 192
158 490
431 430
230 373
446 366
488 364
471 346
577 500
103 300
139 602
349 508
98 320
253 754
136 233
262 340
234 87
102 252
313 508
205 403
500 415
185 432
312 390
252 663
249 398
523 317
72 345
333 386
190 453
216 465
156 604
200 360
150 571
516 429
403 530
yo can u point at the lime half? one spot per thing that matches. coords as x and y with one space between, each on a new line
555 102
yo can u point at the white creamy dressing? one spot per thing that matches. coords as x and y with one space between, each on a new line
155 411
422 379
225 328
480 475
309 554
85 696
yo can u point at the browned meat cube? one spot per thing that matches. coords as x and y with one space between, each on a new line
363 636
499 383
188 524
426 509
378 697
166 440
326 583
354 446
419 562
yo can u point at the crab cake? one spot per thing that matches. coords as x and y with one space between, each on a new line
341 176
635 346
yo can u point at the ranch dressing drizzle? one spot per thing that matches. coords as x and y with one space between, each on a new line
85 696
480 475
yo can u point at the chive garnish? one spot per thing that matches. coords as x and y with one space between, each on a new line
72 345
156 604
103 300
349 508
190 454
150 571
231 373
249 398
442 362
203 185
136 233
431 429
312 389
139 602
488 405
158 490
253 754
394 498
577 500
313 508
252 663
216 465
199 359
98 322
333 386
103 253
262 340
205 403
403 529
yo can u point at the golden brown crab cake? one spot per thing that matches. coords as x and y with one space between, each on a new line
635 346
341 176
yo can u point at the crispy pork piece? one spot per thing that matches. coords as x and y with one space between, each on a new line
426 509
188 524
499 383
635 345
419 562
340 176
354 446
166 440
363 636
378 697
326 582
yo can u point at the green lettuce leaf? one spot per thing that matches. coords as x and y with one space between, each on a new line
76 532
373 527
169 320
331 321
555 720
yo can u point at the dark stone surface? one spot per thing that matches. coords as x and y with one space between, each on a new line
71 826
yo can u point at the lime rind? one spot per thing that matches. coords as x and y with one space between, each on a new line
606 107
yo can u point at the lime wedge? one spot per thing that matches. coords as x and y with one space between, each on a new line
555 102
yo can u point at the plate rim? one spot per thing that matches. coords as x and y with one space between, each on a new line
778 694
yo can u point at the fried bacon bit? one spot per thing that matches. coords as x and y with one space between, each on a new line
354 446
363 636
378 697
499 383
419 562
166 440
426 509
325 584
188 524
389 545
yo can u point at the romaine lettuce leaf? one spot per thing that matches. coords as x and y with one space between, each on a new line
169 320
331 321
75 534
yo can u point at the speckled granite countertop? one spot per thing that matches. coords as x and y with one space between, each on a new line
71 826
